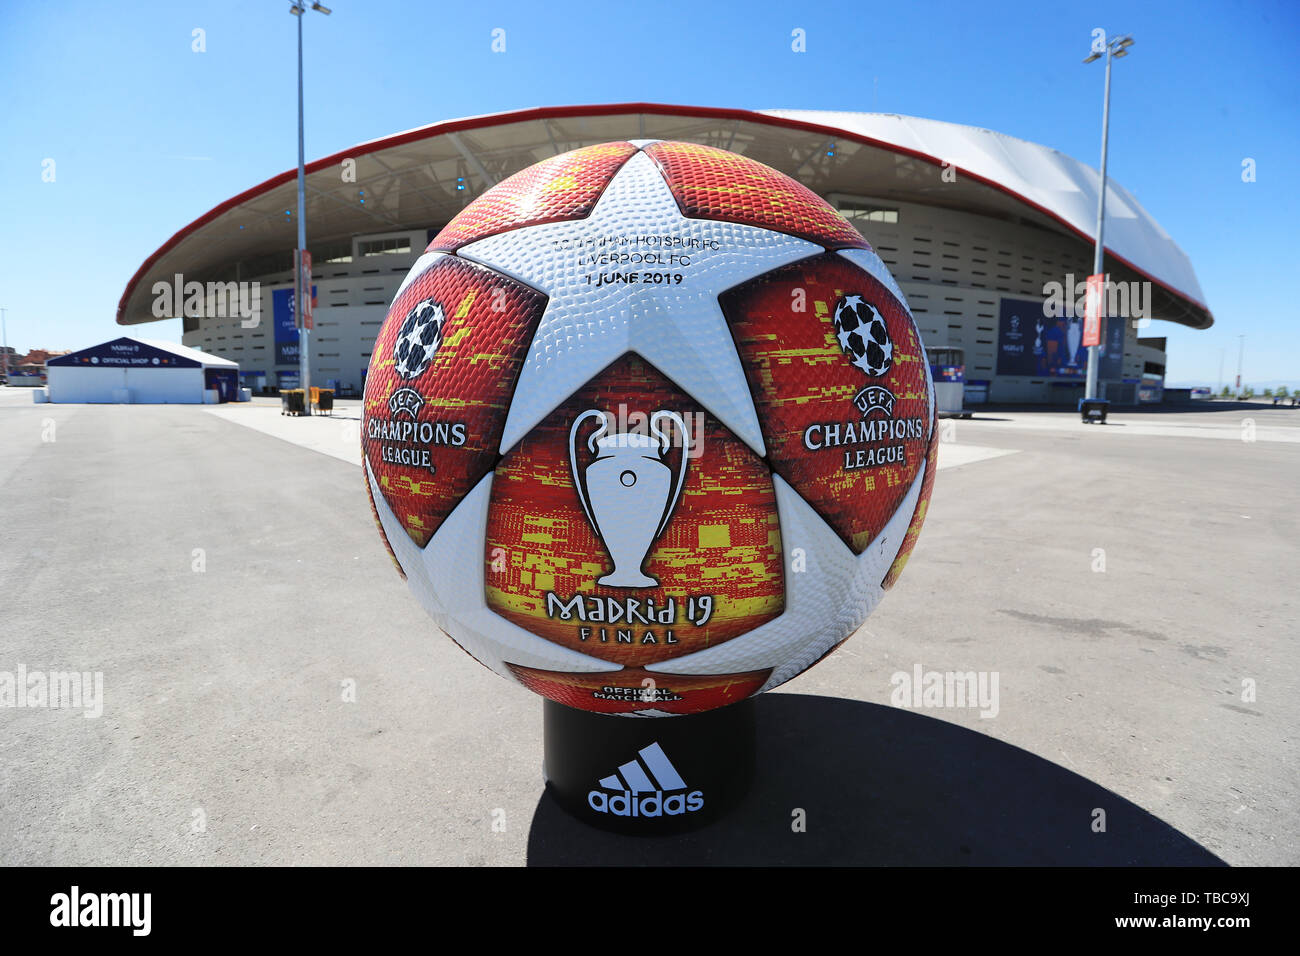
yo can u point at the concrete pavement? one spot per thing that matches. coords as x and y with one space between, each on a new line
273 694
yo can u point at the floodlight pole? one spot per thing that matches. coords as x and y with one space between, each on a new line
1117 46
300 294
1090 390
4 343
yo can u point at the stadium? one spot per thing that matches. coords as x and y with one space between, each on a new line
986 235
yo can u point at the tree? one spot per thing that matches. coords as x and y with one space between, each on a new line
1226 393
1247 392
1268 393
1282 391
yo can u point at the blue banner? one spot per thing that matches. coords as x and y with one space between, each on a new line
1032 344
1110 365
286 332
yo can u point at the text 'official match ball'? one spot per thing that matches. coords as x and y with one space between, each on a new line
649 428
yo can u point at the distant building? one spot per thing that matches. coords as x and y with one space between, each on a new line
40 356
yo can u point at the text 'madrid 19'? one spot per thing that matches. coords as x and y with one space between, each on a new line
649 428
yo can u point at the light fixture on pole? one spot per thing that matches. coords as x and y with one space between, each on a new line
1115 47
301 282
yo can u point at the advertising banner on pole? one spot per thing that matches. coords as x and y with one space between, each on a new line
1111 353
304 282
1094 303
286 332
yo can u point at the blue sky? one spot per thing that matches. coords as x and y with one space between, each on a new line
147 135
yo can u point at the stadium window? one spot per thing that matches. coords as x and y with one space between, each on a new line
384 247
334 252
865 212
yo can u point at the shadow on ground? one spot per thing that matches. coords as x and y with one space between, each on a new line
888 787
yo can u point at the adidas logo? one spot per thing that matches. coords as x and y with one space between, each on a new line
637 788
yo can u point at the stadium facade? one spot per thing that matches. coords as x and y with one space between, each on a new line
986 234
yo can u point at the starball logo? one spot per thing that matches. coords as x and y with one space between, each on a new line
405 439
647 786
878 439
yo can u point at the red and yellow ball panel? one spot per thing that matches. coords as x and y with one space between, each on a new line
427 455
718 560
711 183
632 689
562 187
853 464
918 515
374 513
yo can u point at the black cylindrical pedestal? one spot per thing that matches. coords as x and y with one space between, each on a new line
649 775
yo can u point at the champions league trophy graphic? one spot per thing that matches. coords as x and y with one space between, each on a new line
1073 336
1038 338
628 492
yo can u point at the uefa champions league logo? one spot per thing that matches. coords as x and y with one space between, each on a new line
863 335
418 339
628 491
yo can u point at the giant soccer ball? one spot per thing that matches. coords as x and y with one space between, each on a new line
649 428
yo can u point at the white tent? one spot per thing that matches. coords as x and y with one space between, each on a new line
142 371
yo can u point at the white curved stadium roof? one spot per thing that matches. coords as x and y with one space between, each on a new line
1058 183
423 177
